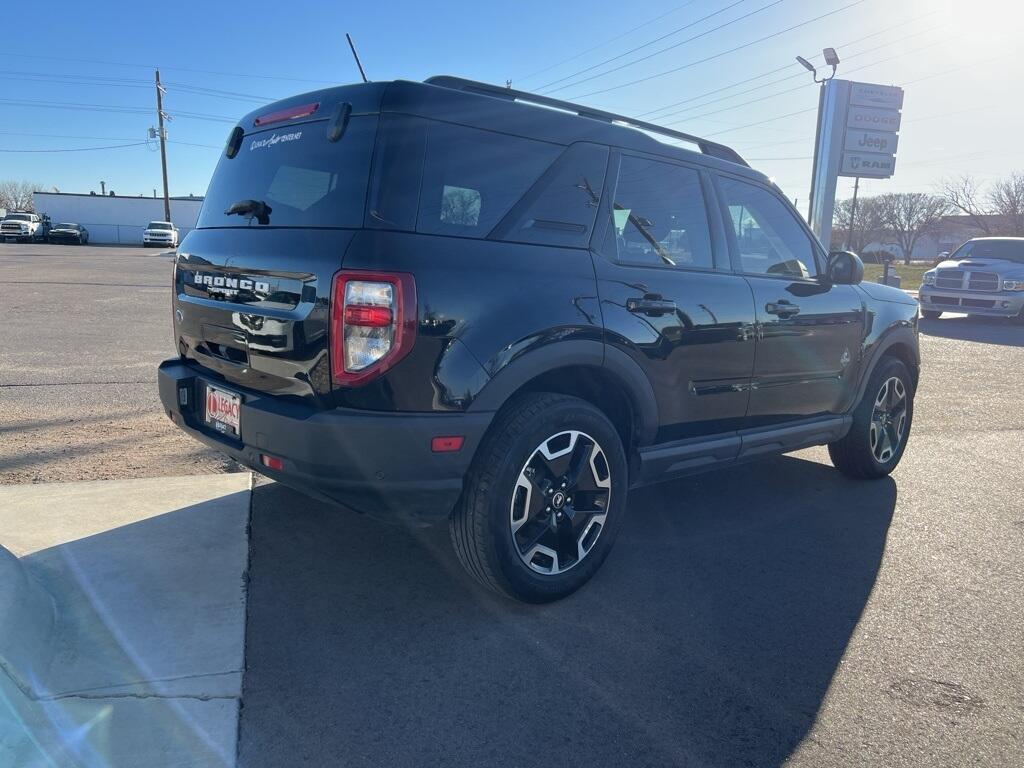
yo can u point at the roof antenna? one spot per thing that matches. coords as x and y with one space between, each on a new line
356 56
508 84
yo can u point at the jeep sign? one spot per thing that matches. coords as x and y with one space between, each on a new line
870 141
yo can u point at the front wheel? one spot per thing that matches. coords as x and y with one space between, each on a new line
544 499
881 424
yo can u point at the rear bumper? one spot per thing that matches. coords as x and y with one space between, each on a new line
996 304
375 462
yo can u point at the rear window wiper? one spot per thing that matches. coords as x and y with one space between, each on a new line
251 209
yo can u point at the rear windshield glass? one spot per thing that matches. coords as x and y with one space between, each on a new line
306 180
1009 250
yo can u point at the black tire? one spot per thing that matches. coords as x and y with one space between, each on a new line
855 455
1018 319
481 524
931 314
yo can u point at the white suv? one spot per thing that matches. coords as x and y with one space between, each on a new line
160 233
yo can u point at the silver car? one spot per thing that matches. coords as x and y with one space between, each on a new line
984 276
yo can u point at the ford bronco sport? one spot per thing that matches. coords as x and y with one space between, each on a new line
453 300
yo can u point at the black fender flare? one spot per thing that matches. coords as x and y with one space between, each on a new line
900 334
575 352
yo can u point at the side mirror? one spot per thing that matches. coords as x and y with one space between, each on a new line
845 268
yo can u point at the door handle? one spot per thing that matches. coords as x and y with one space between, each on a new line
782 308
651 304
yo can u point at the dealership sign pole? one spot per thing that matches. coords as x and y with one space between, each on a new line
858 131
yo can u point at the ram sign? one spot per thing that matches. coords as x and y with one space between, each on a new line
867 165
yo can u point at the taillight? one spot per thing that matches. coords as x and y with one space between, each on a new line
373 323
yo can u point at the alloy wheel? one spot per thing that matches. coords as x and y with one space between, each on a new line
560 502
888 419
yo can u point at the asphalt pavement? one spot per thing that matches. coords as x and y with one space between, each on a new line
773 613
84 328
770 614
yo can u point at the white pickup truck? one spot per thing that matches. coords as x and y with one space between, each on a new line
24 227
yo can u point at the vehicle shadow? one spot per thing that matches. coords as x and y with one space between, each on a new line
983 330
709 637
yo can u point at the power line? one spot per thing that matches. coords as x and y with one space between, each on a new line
115 108
76 149
648 43
790 65
762 122
800 74
192 144
669 48
172 69
609 41
719 55
909 82
187 88
101 138
800 87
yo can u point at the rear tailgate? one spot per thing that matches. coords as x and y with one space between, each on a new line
252 291
252 305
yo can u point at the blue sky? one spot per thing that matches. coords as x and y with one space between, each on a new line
93 64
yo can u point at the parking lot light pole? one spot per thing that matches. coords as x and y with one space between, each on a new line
163 143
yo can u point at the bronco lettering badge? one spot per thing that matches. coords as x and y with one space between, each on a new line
231 283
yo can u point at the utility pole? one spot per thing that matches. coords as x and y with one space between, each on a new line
853 212
163 143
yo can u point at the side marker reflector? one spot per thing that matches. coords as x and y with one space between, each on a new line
448 444
271 462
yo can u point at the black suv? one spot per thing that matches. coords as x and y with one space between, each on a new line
454 300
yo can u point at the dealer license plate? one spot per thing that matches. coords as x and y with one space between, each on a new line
223 410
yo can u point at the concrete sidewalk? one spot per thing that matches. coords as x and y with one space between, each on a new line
122 621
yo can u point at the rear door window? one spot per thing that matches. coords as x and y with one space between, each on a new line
306 180
659 217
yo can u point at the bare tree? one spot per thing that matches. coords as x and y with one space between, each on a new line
1007 200
17 195
965 194
868 227
909 215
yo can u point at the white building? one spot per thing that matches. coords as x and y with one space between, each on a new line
116 218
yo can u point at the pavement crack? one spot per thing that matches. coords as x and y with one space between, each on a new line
105 696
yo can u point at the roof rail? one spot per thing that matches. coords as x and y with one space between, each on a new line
711 148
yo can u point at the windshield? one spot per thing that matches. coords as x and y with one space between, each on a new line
1007 250
66 225
159 225
18 217
304 179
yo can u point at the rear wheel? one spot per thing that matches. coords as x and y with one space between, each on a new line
881 424
931 314
544 500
